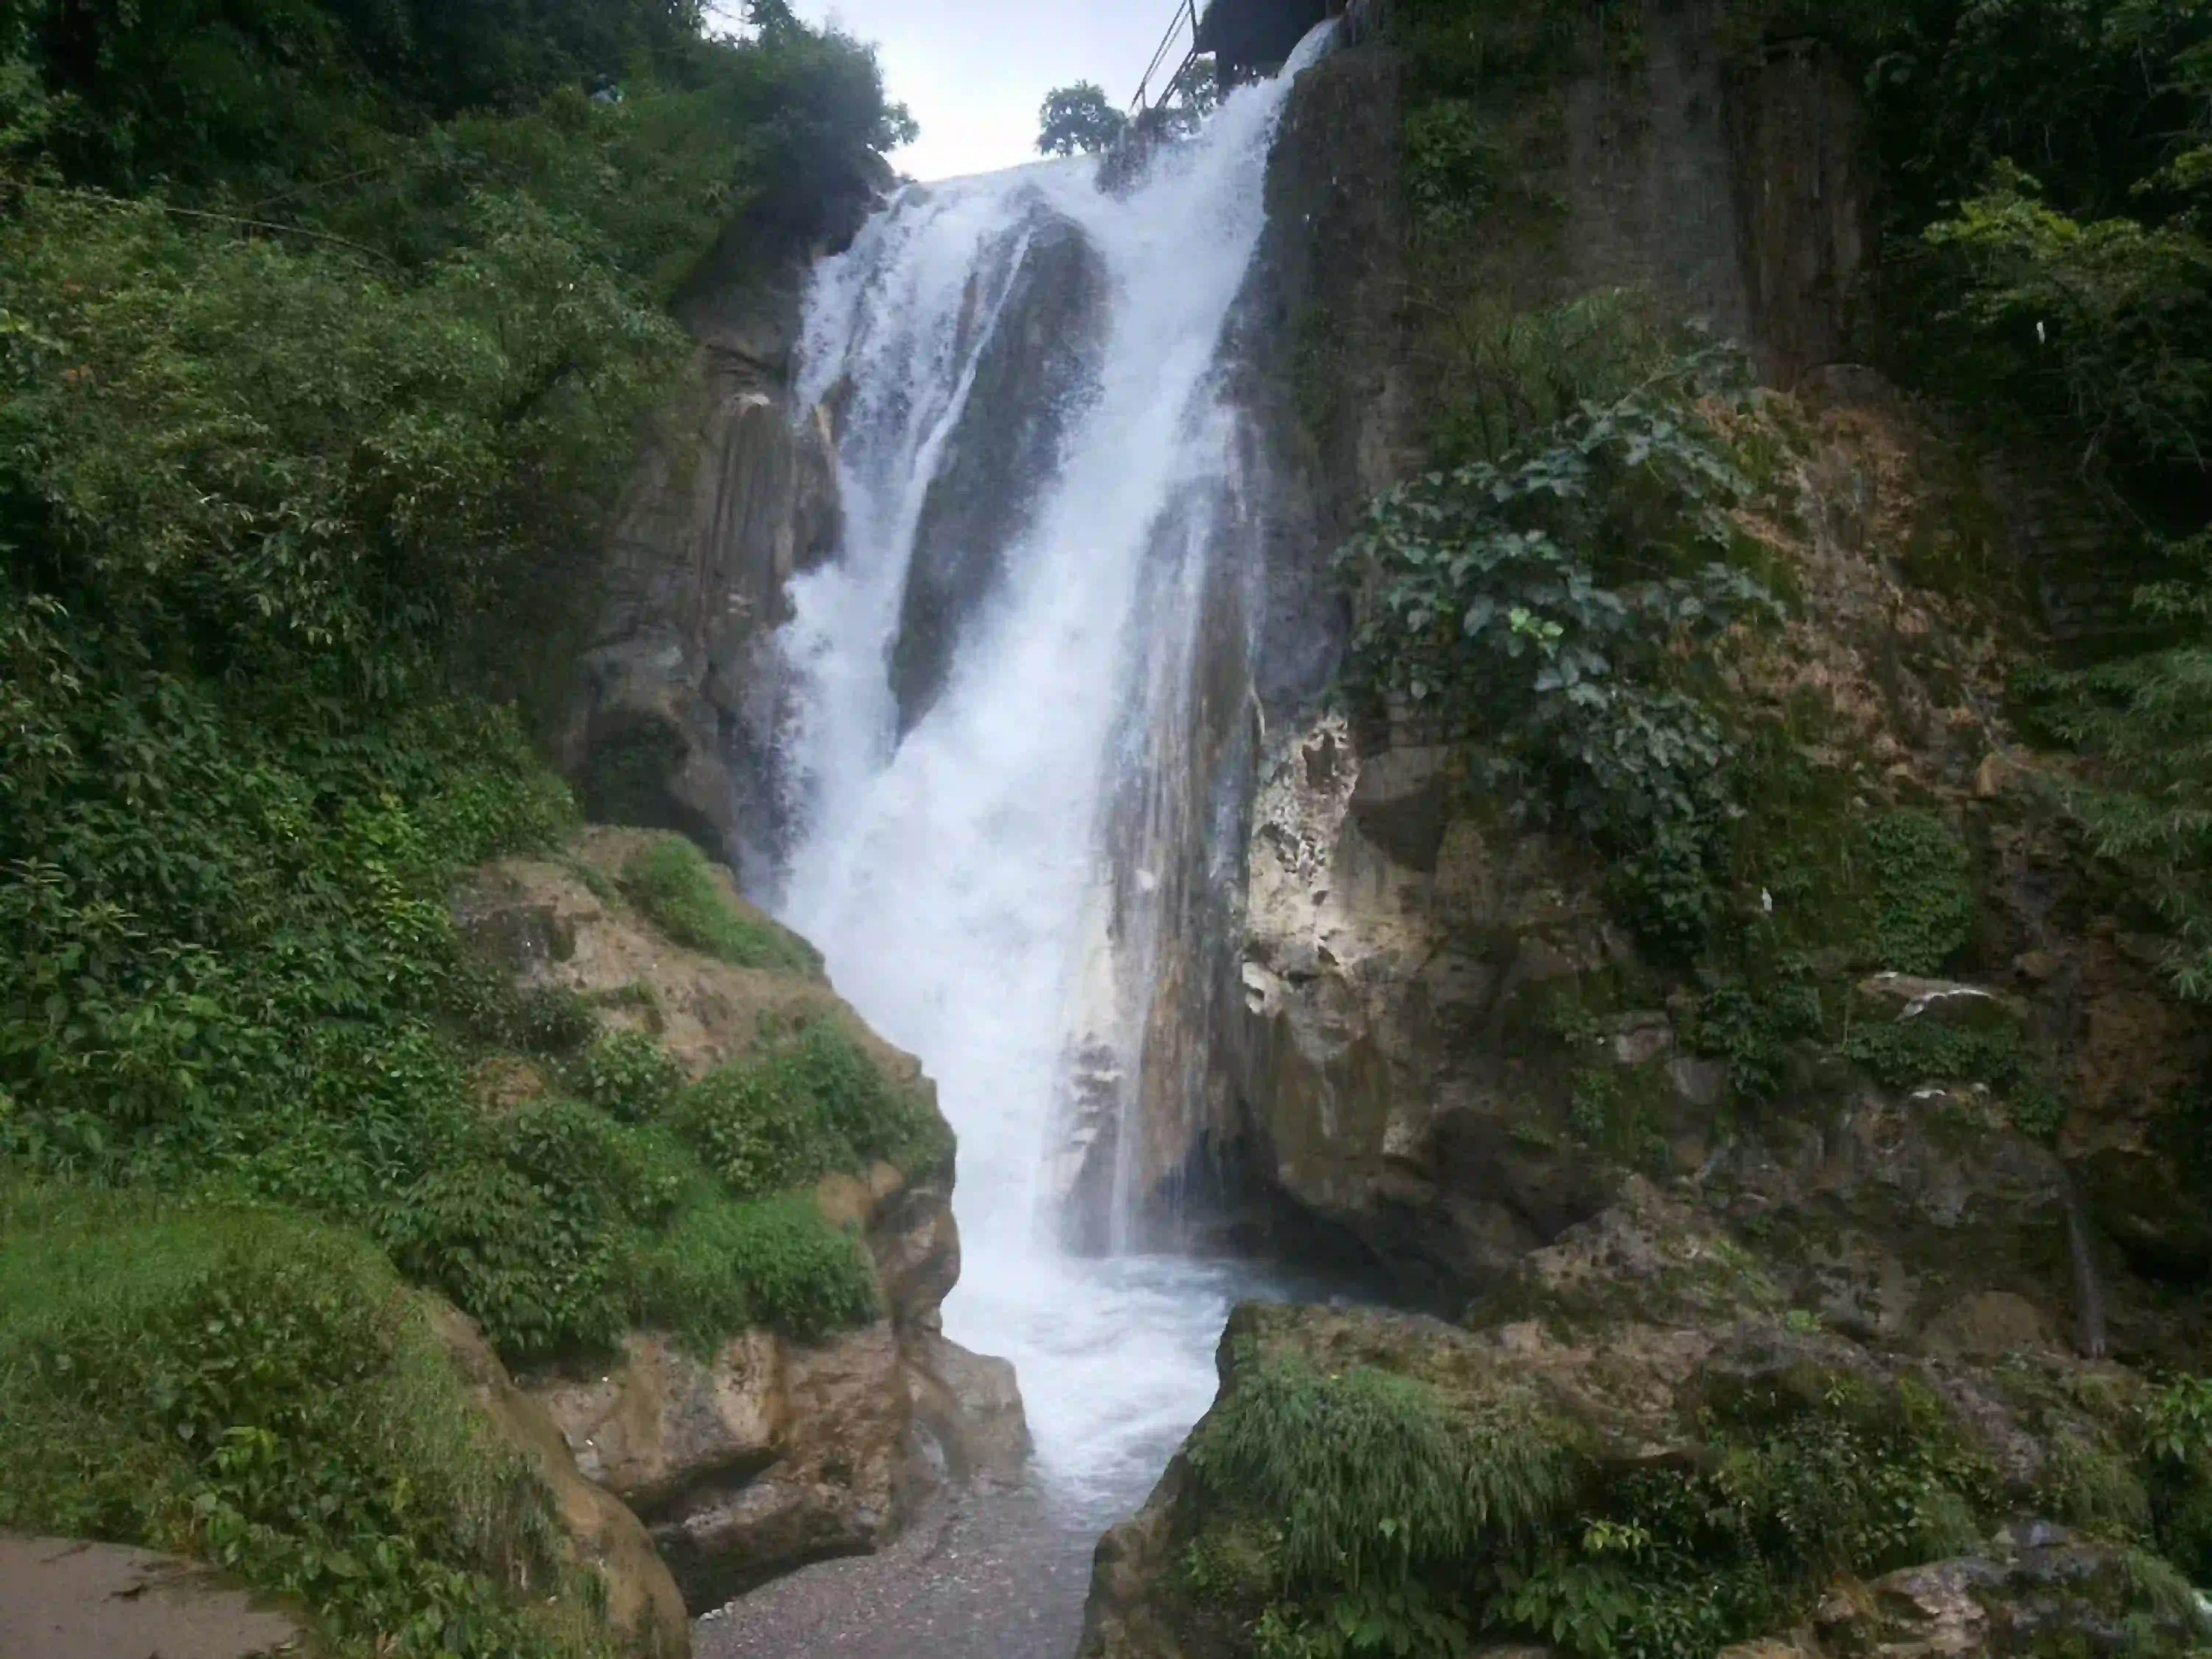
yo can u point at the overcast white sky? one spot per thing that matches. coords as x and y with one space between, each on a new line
974 71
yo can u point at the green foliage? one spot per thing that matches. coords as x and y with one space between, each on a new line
303 460
1079 120
629 1076
1559 607
1519 374
260 1392
1753 1029
802 1108
1367 1485
1809 1475
2146 723
2091 1487
1454 163
1908 1054
1923 891
1396 1523
725 1266
2173 1430
673 883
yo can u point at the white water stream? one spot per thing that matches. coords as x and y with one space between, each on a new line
948 876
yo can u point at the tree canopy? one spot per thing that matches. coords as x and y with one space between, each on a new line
1079 120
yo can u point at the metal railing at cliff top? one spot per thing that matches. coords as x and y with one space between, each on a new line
1364 21
1183 32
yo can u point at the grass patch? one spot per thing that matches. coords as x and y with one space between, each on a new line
775 1262
672 883
260 1391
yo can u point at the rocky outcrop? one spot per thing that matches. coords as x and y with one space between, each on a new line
674 711
1639 1338
753 1460
597 1532
1033 378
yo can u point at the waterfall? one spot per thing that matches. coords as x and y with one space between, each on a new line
1039 479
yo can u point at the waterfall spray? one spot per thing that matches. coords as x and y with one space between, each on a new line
1038 468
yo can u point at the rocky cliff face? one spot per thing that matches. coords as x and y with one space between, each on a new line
767 1453
675 713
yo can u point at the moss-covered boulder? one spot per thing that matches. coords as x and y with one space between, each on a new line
779 1391
1639 1443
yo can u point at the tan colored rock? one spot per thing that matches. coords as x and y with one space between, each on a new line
1902 997
642 1599
540 919
845 1477
662 1421
766 1455
1989 1326
971 1405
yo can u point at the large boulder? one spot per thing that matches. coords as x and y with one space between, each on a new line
597 1531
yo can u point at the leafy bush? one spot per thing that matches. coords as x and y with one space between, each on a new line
260 1391
541 1272
773 1262
800 1108
1454 163
1909 1053
1560 607
1809 1475
674 884
1924 893
629 1076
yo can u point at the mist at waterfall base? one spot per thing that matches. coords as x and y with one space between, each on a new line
952 877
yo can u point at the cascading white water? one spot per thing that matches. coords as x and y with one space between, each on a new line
950 877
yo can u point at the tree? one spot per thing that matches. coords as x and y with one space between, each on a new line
1078 120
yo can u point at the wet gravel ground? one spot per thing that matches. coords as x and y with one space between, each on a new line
989 1573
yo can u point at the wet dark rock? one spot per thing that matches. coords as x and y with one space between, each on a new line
1034 377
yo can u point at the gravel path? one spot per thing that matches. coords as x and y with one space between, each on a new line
989 1573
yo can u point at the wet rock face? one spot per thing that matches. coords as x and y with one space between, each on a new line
1033 380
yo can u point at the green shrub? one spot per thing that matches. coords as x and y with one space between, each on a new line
1923 899
755 1131
629 1076
1392 1522
2091 1487
260 1392
775 1262
1909 1053
1369 1478
1559 607
674 884
543 1276
1754 1029
809 1104
593 1167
